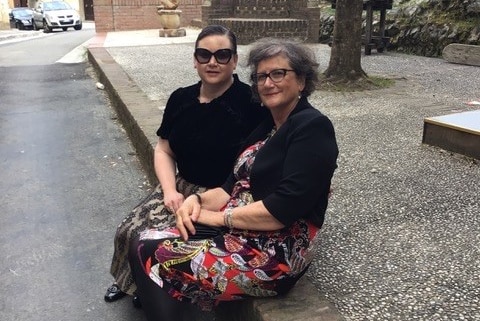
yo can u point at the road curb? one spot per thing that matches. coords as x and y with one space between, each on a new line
137 113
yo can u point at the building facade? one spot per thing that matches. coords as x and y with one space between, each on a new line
121 15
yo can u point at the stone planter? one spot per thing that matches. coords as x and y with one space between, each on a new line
170 21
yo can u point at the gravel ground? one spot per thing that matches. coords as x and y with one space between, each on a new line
401 239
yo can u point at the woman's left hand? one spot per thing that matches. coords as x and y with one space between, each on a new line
186 215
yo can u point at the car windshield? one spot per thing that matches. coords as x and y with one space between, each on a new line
23 13
49 6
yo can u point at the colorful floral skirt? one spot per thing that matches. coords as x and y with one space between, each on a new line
235 265
150 213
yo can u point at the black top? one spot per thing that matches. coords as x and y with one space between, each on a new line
292 172
206 137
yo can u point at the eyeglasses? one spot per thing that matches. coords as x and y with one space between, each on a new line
222 56
275 75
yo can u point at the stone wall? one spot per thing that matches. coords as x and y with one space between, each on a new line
421 27
425 28
120 15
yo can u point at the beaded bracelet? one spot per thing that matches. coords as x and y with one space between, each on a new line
199 198
228 218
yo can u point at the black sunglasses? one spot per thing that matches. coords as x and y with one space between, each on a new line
222 56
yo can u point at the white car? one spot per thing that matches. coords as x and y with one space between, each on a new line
55 15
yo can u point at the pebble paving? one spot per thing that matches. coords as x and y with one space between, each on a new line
401 239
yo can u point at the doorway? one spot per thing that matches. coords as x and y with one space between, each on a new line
88 7
21 3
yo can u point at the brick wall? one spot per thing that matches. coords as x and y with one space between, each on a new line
249 19
255 19
191 10
121 15
262 9
249 30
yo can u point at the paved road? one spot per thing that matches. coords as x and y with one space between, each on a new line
29 47
68 176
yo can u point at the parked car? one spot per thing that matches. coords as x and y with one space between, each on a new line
55 15
21 18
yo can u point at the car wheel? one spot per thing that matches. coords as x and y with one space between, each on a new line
46 27
78 27
65 28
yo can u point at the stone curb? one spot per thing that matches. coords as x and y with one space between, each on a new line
6 35
131 104
139 115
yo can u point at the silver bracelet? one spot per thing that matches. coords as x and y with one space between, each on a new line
228 218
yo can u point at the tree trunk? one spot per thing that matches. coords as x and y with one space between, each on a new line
345 58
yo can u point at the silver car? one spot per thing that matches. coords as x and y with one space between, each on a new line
55 15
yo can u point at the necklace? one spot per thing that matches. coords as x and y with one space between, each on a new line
272 132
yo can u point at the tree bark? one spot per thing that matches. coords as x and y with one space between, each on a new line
345 58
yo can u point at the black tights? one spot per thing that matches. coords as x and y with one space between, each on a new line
156 303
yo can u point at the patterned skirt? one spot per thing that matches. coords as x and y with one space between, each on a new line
232 266
150 213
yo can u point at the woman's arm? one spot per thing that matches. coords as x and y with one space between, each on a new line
307 169
165 169
254 217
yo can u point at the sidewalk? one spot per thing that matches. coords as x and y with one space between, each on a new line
12 35
402 233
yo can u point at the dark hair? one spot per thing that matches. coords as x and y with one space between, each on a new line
217 30
300 57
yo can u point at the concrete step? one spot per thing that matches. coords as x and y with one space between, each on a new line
459 132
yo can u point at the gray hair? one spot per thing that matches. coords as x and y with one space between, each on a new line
300 57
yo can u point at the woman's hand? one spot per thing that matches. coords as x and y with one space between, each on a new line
186 215
173 201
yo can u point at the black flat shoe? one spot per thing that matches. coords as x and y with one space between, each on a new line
136 301
114 293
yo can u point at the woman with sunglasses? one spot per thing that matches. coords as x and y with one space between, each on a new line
264 219
202 129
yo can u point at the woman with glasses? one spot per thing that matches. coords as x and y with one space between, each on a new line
202 129
254 236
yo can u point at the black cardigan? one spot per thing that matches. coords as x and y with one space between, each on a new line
293 170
